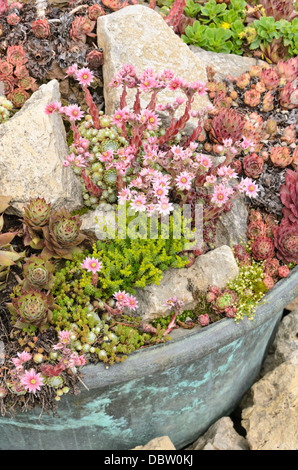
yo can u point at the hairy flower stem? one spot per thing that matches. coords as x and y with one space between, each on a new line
177 124
92 108
171 325
123 102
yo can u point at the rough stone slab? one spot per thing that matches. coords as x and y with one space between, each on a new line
32 149
271 420
285 345
159 443
225 64
215 267
293 305
220 436
232 226
138 35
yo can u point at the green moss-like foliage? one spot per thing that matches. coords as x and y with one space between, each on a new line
127 264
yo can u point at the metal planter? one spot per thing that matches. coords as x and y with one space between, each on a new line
176 389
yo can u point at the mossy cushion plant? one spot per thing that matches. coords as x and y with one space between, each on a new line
85 297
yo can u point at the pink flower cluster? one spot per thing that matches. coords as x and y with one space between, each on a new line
32 381
148 192
149 81
24 380
72 112
123 299
80 156
84 76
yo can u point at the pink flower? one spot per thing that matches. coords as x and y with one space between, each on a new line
92 265
21 359
200 87
164 206
64 336
204 161
160 192
150 118
249 187
220 195
228 142
183 181
211 179
116 81
124 195
52 106
118 117
72 70
174 83
147 84
32 381
121 297
73 111
132 302
138 203
85 76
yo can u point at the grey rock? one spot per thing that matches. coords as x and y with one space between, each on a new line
138 35
32 149
221 436
271 417
232 227
158 443
215 267
225 64
285 345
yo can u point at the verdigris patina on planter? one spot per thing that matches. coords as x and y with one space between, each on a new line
176 389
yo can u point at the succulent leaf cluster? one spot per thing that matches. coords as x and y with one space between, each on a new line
56 232
15 77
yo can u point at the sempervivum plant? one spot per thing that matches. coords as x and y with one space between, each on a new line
41 28
286 242
280 156
37 213
82 27
262 248
253 165
225 301
18 97
289 196
31 308
38 273
228 124
256 228
62 235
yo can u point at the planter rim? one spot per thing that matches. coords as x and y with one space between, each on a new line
198 342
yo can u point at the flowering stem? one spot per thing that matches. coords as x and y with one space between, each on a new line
171 325
123 102
92 108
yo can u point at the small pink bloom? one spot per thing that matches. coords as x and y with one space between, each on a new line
183 181
72 70
32 381
138 203
124 195
92 265
121 297
85 76
164 206
24 356
74 112
132 302
51 107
